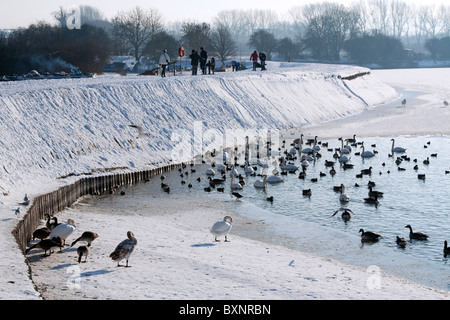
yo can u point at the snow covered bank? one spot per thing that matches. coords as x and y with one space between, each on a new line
55 128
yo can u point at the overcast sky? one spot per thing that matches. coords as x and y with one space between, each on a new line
21 13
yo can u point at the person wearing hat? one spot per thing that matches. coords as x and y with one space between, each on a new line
164 60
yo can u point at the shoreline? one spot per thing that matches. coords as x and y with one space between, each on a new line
174 243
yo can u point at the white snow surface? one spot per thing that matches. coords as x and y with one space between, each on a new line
52 128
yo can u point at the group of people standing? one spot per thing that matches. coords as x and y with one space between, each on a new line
202 58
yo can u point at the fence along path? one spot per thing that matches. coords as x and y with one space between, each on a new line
56 201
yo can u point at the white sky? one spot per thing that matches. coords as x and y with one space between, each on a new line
21 13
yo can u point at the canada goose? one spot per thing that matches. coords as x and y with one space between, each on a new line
41 233
371 200
401 241
46 245
446 249
222 228
124 249
50 225
87 236
369 236
270 199
375 193
416 235
346 214
82 251
367 171
306 192
421 176
397 149
237 195
63 230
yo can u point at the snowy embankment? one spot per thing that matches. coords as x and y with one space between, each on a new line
63 128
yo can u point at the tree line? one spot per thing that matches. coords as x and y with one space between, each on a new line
368 31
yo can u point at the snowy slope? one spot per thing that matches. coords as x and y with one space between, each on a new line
52 128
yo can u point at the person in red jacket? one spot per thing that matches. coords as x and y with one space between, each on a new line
254 58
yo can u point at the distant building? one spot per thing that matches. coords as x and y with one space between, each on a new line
127 64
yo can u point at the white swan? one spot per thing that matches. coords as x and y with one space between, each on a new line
287 167
397 149
63 230
343 197
343 158
366 154
274 179
248 169
210 172
222 228
235 185
260 184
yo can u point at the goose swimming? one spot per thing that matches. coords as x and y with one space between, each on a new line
416 235
369 236
124 249
401 241
446 249
346 214
222 228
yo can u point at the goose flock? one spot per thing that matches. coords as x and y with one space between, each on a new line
296 158
234 175
54 234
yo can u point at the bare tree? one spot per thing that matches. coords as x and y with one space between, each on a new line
223 44
196 35
400 17
136 27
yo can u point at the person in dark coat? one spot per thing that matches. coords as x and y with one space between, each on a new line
262 58
195 58
212 65
203 59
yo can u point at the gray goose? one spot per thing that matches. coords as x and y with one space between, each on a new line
124 249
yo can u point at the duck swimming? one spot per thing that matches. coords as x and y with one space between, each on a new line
369 236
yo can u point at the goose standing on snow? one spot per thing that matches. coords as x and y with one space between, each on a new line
124 249
63 230
222 228
82 251
397 149
416 235
46 245
87 236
